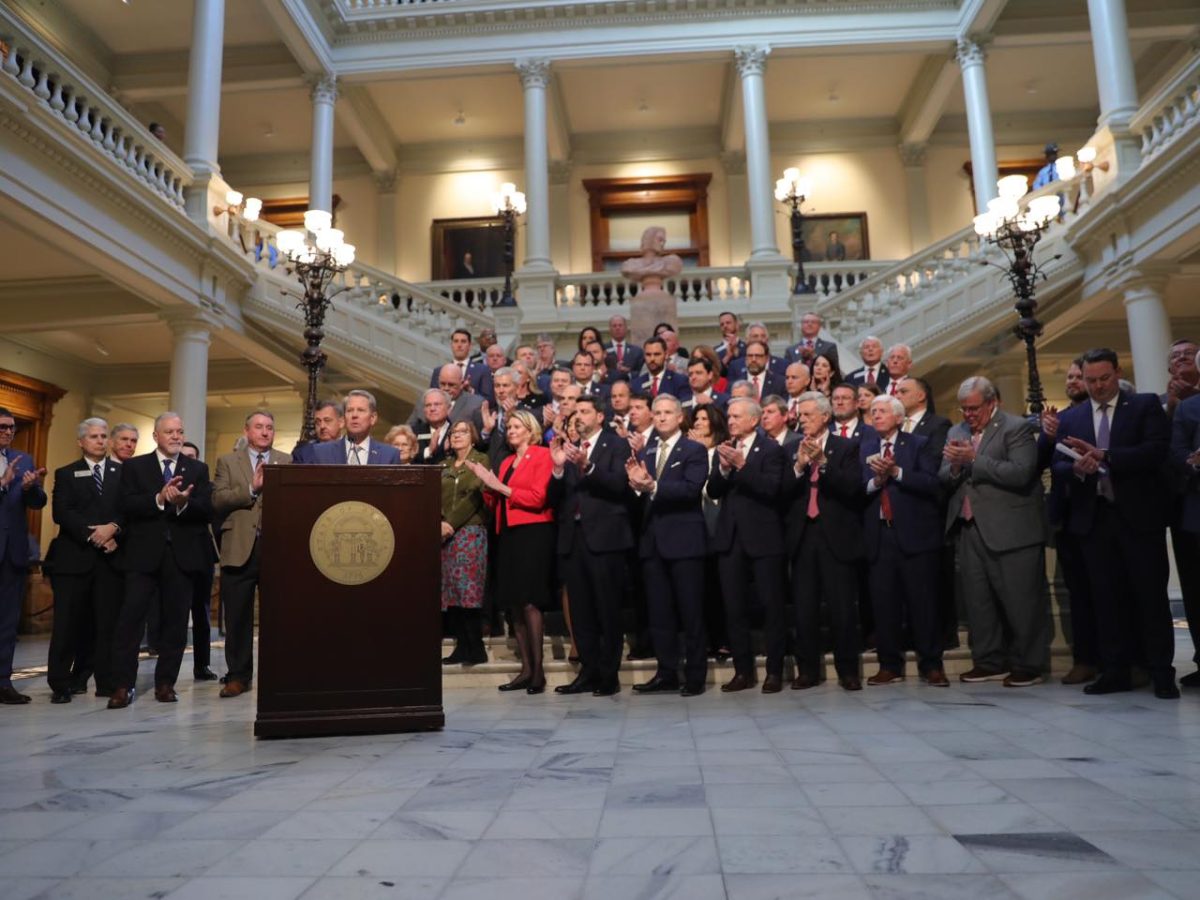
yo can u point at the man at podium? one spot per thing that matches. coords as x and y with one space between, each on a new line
357 448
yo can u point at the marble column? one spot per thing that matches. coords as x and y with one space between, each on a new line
971 58
751 66
1149 331
320 182
202 128
913 158
560 211
734 164
189 373
385 250
1117 87
535 75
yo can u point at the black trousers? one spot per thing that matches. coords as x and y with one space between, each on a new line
85 615
675 601
12 591
819 576
170 591
594 584
1186 545
238 584
1083 617
904 584
1114 556
737 567
201 621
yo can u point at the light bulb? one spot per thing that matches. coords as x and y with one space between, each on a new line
252 209
329 239
1065 167
233 198
316 220
1013 186
1086 155
289 241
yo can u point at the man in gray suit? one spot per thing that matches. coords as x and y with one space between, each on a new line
464 406
997 518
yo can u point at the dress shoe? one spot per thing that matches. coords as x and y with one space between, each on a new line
692 690
457 655
657 685
803 682
936 678
1165 687
103 692
205 674
884 676
581 685
607 689
536 687
79 688
476 657
850 683
517 684
1108 684
772 684
11 696
1191 681
61 697
121 698
978 675
1080 674
1138 677
164 693
1022 679
739 682
233 688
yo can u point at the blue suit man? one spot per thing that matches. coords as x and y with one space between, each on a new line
902 529
357 447
20 490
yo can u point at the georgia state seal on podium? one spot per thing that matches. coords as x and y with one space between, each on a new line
351 543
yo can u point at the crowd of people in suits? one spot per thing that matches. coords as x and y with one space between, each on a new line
685 501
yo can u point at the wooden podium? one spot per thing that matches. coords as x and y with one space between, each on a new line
349 601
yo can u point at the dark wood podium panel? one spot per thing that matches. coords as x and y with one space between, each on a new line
337 658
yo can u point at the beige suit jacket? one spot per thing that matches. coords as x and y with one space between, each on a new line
231 499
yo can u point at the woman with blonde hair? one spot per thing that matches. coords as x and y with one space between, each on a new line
403 439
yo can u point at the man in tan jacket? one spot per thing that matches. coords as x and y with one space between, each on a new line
237 496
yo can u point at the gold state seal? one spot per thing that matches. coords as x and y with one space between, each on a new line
351 542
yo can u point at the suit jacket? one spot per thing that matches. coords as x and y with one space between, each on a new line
736 370
599 495
858 429
722 349
1185 440
672 524
672 383
529 502
788 439
598 389
76 504
242 513
840 499
1003 484
634 359
914 498
477 373
821 347
934 429
859 376
14 525
749 499
1139 442
333 453
771 384
719 400
149 531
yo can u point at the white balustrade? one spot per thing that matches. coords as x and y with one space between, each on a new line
1172 109
54 83
611 289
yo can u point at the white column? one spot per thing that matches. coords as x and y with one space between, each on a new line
560 212
320 182
1149 331
751 64
971 57
734 164
913 158
385 251
204 86
1114 61
189 374
535 73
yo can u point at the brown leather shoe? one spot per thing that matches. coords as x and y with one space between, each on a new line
1080 674
738 682
233 688
883 676
164 693
121 698
772 684
802 683
850 683
936 678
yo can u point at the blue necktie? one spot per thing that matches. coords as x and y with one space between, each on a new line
98 478
167 470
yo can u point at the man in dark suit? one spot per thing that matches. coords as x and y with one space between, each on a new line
166 502
590 493
20 490
237 497
746 478
668 476
700 380
730 346
82 566
1183 384
1185 453
872 371
658 378
811 344
741 368
775 422
899 363
755 371
201 602
1118 507
329 418
846 422
463 406
902 528
623 359
473 372
824 496
358 448
583 368
919 417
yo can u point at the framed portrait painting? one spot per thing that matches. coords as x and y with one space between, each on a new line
836 237
467 248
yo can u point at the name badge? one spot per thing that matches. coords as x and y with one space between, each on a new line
83 474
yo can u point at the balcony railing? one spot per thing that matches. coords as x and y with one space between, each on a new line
1172 109
54 83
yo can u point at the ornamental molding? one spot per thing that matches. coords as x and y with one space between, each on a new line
534 73
324 89
751 60
912 155
972 50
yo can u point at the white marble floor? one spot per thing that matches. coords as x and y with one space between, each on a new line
908 791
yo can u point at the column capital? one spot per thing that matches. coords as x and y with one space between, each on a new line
385 182
534 73
559 171
972 50
912 155
751 60
1145 279
733 162
324 89
190 324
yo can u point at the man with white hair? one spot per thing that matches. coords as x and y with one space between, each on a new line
872 371
899 363
811 344
996 518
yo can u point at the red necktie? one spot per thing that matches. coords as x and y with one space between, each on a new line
870 376
757 388
620 353
885 502
583 463
967 513
654 385
892 388
845 428
814 475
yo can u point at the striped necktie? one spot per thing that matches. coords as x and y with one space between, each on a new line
98 478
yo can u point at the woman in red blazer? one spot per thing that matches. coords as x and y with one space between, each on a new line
525 551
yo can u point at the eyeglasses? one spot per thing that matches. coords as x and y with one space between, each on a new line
8 427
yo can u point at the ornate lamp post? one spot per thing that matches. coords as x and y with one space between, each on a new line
1016 230
315 264
509 203
792 189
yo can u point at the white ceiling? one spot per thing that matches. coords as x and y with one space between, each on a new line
140 26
